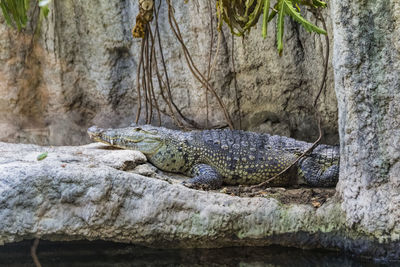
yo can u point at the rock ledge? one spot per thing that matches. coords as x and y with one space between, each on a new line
88 192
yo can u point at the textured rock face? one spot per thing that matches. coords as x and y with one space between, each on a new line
367 77
82 71
84 193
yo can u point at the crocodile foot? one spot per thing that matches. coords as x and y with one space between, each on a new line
195 185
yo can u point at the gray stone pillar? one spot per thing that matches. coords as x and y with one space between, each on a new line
367 83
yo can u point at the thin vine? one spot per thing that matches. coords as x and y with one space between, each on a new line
195 71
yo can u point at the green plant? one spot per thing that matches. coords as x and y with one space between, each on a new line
15 11
242 15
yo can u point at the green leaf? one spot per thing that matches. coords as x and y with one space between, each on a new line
20 5
44 7
45 11
11 8
318 3
6 13
289 9
42 156
249 3
280 25
265 18
254 16
14 12
313 3
273 13
27 4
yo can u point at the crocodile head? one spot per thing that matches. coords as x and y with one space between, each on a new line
146 138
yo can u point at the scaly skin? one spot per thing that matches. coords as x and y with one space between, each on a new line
232 157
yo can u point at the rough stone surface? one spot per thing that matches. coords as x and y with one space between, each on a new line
367 78
81 70
77 193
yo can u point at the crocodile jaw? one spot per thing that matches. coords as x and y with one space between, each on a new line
127 138
97 134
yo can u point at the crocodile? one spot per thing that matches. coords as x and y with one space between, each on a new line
232 157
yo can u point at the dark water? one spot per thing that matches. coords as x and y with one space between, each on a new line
121 255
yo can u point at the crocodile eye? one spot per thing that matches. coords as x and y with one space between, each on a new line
153 131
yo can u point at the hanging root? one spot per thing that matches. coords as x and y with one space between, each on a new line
151 55
195 71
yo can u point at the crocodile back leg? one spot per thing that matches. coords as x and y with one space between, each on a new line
316 174
204 174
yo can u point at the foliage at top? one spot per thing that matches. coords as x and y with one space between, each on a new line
242 15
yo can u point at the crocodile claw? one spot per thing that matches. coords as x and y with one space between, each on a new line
196 185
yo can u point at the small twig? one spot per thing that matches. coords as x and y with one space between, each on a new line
309 150
211 66
152 56
144 83
166 100
139 102
209 58
35 15
323 82
146 78
33 253
219 40
237 93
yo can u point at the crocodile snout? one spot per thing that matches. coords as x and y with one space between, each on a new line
94 131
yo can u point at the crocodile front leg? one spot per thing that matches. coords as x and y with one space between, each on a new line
204 174
315 175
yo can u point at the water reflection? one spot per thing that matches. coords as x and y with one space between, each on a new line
99 253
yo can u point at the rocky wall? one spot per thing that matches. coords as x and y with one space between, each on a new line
367 82
81 70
